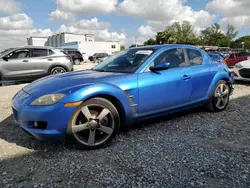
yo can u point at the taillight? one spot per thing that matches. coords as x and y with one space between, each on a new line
69 58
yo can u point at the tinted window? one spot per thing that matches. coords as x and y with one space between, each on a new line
18 54
40 52
51 52
174 56
194 56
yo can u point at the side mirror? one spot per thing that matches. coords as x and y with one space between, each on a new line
5 58
160 66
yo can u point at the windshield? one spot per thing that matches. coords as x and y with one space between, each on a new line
6 52
127 61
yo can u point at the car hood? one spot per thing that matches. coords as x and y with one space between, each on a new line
245 64
68 82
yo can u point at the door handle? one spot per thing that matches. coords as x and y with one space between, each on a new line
25 60
186 77
50 59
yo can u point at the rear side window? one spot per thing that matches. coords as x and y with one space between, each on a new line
39 52
51 52
194 56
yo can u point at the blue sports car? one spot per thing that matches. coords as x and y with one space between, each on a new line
91 106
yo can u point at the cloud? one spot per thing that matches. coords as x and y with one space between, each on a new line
9 6
146 31
160 14
59 16
236 12
16 22
15 29
87 7
100 29
232 8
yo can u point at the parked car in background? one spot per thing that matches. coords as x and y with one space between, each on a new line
216 57
135 84
30 63
77 57
97 56
242 71
236 57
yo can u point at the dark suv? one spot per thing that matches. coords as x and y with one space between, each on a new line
75 54
236 57
97 56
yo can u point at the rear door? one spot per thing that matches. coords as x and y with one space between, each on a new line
40 61
16 66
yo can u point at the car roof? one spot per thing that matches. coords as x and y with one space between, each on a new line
157 47
36 47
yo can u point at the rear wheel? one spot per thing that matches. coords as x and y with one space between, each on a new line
220 98
94 124
57 70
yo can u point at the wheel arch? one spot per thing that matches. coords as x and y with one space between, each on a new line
116 102
57 65
220 76
110 92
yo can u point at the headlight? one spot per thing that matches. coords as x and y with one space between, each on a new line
239 66
47 100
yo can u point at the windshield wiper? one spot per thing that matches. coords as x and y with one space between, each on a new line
98 70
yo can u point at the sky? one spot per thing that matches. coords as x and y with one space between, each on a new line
124 20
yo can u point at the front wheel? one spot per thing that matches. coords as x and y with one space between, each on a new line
220 98
94 124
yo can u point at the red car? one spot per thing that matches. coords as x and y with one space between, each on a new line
236 57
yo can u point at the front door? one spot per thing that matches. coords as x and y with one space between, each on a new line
166 89
16 65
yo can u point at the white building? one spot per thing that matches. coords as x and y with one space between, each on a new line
37 41
84 43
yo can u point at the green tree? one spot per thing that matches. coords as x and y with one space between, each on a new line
150 42
231 32
213 36
183 32
238 43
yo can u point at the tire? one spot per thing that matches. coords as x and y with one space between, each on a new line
220 98
57 70
77 62
94 124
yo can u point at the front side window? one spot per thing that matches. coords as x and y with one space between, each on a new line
39 52
18 54
194 56
127 61
175 57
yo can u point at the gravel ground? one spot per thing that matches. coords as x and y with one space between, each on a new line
192 149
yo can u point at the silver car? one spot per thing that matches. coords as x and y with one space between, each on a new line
30 63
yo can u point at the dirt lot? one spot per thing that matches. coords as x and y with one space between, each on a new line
193 149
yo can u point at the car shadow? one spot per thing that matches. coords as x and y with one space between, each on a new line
11 132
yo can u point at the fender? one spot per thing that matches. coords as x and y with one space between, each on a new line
219 76
94 89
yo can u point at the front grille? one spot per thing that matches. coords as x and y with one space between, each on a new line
245 73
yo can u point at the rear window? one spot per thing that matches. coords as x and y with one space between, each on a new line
39 52
194 56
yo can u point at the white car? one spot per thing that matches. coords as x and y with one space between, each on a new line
242 71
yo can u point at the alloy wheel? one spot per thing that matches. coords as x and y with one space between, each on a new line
93 125
221 96
58 70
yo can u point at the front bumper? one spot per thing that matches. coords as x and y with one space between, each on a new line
237 75
56 117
